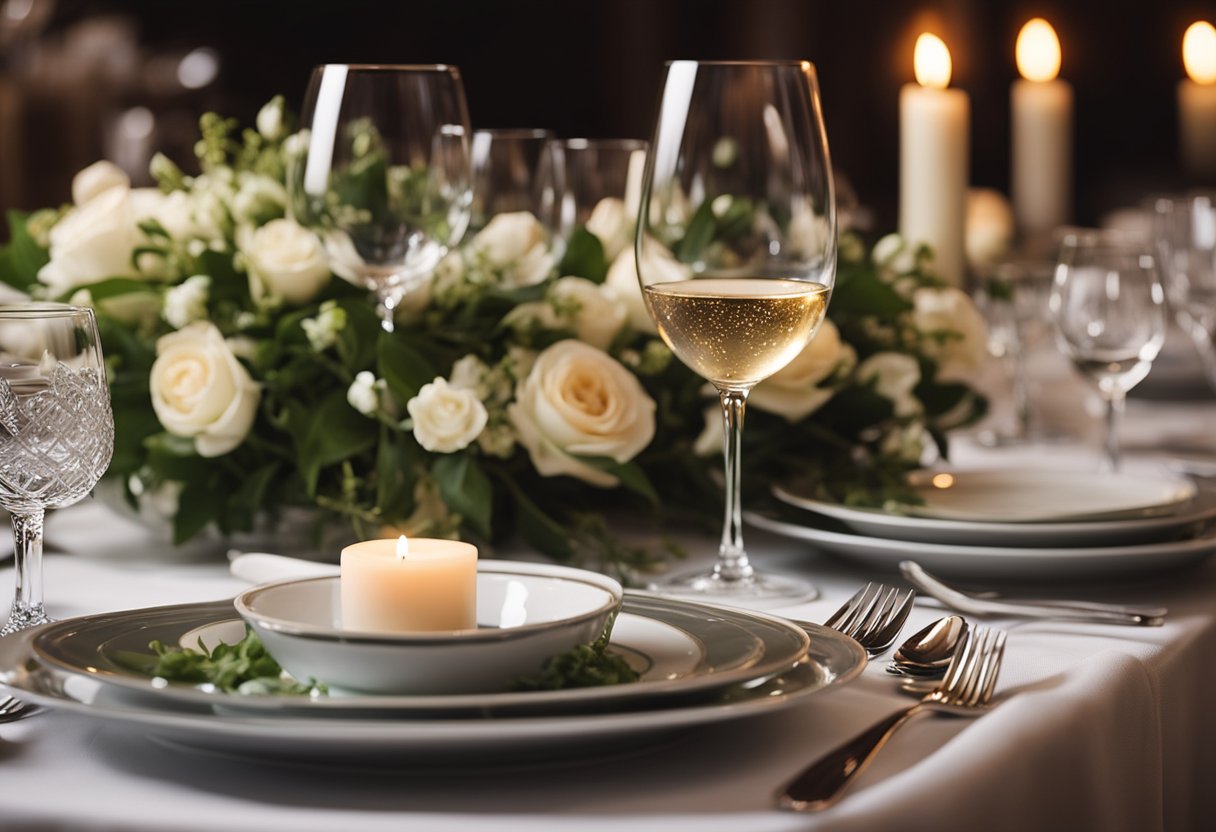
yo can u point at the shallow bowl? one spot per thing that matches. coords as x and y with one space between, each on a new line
526 612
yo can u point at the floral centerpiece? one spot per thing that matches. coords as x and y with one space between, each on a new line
521 393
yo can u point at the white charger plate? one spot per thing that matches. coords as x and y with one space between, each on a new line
682 649
1034 495
1031 563
1187 521
403 742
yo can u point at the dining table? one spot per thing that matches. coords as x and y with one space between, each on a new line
1093 726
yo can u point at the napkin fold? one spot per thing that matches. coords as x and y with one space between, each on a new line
264 568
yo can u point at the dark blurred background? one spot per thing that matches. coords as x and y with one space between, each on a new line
83 79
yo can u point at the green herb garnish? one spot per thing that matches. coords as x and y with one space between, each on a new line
586 666
244 667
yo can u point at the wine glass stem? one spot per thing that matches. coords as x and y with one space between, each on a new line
27 602
1114 415
732 562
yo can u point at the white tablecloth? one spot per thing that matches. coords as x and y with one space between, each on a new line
1098 728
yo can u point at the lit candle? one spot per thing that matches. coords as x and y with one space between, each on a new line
397 586
1042 133
934 158
1197 100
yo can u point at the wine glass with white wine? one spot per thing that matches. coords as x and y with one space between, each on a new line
736 253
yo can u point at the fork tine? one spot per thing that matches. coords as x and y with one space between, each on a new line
969 691
881 608
960 666
993 668
846 610
895 620
851 625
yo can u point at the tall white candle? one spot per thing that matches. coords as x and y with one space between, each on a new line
1197 101
1042 107
934 158
419 585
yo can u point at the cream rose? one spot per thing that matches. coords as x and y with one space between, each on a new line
793 392
200 390
578 401
515 244
660 265
94 241
96 179
446 418
611 224
594 311
957 334
285 261
894 376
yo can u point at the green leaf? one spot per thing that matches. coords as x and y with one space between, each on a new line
466 490
199 504
538 528
174 458
630 474
327 433
402 367
395 476
864 294
249 497
116 287
22 258
584 257
358 340
700 234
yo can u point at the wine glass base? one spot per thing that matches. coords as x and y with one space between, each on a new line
22 618
756 590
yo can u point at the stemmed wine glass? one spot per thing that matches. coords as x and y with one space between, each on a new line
1185 233
588 171
1109 312
736 253
56 430
512 171
382 172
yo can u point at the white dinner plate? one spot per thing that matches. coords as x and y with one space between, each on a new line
1033 495
1186 522
400 741
1031 563
681 649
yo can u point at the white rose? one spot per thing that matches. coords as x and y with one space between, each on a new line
285 260
957 334
595 313
660 266
364 393
187 302
200 390
96 179
446 418
893 252
258 200
270 119
894 376
793 392
578 400
92 242
809 231
989 230
515 244
611 225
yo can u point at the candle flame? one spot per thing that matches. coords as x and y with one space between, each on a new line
403 548
1038 51
931 61
1199 52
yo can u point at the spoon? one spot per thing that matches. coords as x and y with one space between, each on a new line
928 652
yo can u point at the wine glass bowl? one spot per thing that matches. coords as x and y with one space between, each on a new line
1185 233
589 171
512 171
381 172
1108 306
56 430
736 253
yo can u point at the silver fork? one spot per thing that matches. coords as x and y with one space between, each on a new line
873 616
12 709
965 691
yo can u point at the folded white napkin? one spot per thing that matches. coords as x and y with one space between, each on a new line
262 568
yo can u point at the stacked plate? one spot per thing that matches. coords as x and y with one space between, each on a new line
698 664
1023 524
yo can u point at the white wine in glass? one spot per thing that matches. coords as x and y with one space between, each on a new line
736 254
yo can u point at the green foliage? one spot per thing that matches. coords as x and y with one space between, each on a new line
21 259
584 257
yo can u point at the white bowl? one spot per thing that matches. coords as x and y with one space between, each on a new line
526 612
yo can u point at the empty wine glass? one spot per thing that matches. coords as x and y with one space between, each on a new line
736 254
56 430
512 171
1107 303
1185 232
381 172
598 175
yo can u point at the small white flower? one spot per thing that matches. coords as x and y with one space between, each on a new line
894 375
96 179
469 373
612 225
322 331
446 418
957 333
594 312
363 394
187 302
893 252
497 440
259 199
270 119
721 205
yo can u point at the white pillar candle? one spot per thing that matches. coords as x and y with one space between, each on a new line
1042 107
934 158
1197 101
399 586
